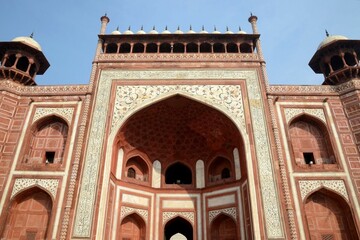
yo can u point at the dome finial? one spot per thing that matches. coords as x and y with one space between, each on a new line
327 33
190 27
142 28
117 28
239 29
251 14
32 35
154 27
129 28
166 27
178 28
203 28
227 28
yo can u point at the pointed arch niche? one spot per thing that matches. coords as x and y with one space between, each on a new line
328 216
46 143
29 216
176 132
310 143
178 226
223 227
132 227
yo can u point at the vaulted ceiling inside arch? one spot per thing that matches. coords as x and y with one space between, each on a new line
179 128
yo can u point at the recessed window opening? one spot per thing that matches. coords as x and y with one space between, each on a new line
219 48
10 61
165 48
111 48
32 70
179 48
125 48
309 158
131 173
178 173
350 59
205 48
337 63
138 48
232 48
245 48
151 48
22 64
225 173
49 157
192 48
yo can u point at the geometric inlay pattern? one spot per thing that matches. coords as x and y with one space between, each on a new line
290 113
228 211
50 185
129 97
66 113
125 211
169 215
307 186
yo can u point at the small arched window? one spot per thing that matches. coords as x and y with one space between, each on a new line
151 48
192 48
245 48
165 48
179 48
205 48
138 48
131 173
350 59
219 48
125 48
23 64
232 48
336 63
225 173
178 173
10 61
111 48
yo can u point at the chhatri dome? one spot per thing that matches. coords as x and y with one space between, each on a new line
28 41
330 38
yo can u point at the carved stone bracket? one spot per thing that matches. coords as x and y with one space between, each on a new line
290 113
169 215
308 186
125 211
50 185
228 211
66 113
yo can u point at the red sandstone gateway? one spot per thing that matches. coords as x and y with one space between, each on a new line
179 135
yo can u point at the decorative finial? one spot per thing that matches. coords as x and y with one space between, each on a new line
166 28
251 14
203 28
215 28
178 28
326 32
154 27
129 27
105 15
142 28
32 35
239 29
117 28
227 28
190 27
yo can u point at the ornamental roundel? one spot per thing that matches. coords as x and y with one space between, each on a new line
66 113
308 186
50 185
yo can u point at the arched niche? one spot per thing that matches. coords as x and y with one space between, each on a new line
29 215
328 216
176 226
46 142
137 169
310 142
132 227
245 48
223 227
178 173
220 170
111 48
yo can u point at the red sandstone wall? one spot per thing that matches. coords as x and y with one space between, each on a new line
13 110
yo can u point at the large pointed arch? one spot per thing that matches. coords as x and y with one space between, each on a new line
113 137
29 215
223 227
328 216
178 225
132 227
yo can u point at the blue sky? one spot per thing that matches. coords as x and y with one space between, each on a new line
290 30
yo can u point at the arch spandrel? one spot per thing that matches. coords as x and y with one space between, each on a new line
307 187
294 113
225 98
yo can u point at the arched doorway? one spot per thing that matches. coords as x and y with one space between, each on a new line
223 228
328 216
178 228
132 228
29 216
